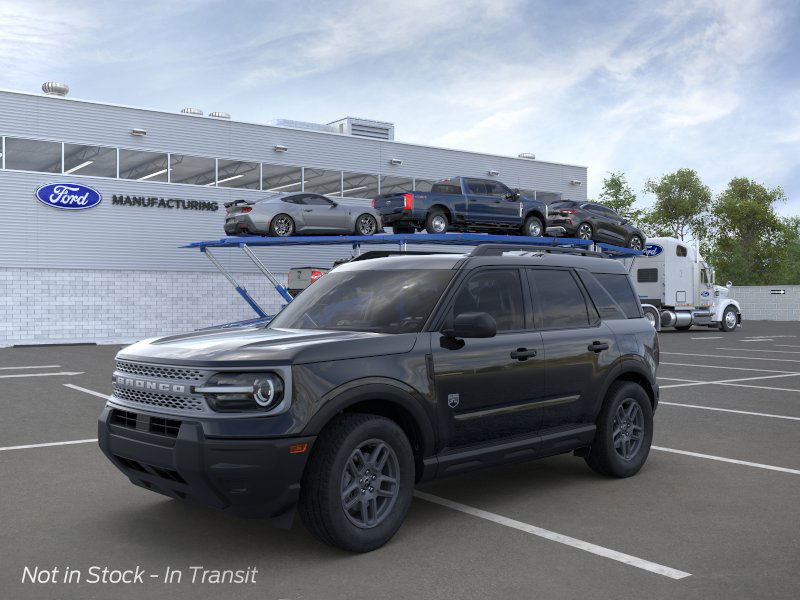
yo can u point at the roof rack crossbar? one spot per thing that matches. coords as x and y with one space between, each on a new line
498 249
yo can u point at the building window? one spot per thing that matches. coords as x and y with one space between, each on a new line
33 155
280 178
423 185
321 181
144 166
238 174
97 161
194 170
396 185
359 185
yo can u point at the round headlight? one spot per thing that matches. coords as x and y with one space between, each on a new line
238 392
268 391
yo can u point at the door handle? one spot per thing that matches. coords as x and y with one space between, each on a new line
598 346
523 353
308 210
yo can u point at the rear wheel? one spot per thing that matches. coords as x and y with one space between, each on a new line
729 320
585 231
635 242
281 226
366 224
533 227
436 222
624 431
357 487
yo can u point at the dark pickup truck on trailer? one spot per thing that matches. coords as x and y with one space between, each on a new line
463 204
385 373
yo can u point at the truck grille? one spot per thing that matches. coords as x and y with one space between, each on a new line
187 403
124 366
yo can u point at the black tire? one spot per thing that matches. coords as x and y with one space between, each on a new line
276 225
683 327
603 456
321 504
366 225
729 323
433 223
402 229
635 242
584 231
533 227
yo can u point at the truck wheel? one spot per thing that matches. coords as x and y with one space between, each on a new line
358 484
585 232
729 321
533 227
635 243
281 226
402 229
436 222
366 225
624 431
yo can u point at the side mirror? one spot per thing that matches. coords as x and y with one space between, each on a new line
472 325
729 285
334 204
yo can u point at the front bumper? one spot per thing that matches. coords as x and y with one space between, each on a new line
256 477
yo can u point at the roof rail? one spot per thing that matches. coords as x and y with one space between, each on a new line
499 249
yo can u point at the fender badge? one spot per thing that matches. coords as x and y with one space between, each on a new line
452 400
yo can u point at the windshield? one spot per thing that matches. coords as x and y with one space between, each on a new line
391 301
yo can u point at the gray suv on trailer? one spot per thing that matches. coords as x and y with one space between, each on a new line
387 373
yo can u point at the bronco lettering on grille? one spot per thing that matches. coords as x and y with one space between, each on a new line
151 385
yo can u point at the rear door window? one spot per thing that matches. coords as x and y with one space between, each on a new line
497 292
560 301
608 308
618 285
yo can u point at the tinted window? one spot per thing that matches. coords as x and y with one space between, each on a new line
647 275
317 200
605 304
497 292
560 300
475 186
618 285
681 251
279 178
446 187
33 155
294 199
144 166
196 170
90 160
559 204
239 174
391 301
495 188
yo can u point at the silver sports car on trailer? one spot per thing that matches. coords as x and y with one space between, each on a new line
300 213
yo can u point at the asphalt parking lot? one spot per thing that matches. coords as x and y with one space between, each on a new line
713 514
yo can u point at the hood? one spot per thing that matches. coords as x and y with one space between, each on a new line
251 346
720 291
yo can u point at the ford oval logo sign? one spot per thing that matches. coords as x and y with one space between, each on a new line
652 250
68 196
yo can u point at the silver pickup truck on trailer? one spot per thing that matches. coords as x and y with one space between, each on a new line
677 288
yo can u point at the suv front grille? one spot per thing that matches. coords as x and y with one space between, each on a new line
124 366
163 400
161 426
124 418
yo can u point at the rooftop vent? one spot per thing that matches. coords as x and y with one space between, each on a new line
527 155
302 125
219 115
51 88
377 130
192 111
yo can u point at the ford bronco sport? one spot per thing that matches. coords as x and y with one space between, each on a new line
387 373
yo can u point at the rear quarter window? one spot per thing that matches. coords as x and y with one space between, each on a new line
618 286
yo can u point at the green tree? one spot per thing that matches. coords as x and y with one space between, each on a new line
749 243
681 206
617 194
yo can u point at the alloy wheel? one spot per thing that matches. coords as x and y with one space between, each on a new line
585 231
439 223
635 243
370 483
730 319
282 226
366 225
628 429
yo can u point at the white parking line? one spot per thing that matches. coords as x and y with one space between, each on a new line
81 389
710 337
69 443
788 345
730 410
759 350
759 340
761 387
31 367
722 367
727 460
40 374
740 357
556 537
727 381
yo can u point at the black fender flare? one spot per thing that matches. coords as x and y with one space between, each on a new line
636 367
383 389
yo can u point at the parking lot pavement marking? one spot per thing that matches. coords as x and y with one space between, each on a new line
84 390
723 367
67 373
760 350
31 367
556 537
727 460
720 356
710 337
788 345
758 387
68 443
729 410
728 381
660 378
756 340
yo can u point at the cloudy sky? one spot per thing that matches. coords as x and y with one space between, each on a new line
641 87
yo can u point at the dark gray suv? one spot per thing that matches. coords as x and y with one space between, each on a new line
386 373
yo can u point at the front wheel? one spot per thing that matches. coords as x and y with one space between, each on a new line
366 225
624 431
585 231
358 484
533 227
281 226
729 320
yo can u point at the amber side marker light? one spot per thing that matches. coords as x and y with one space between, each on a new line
298 448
